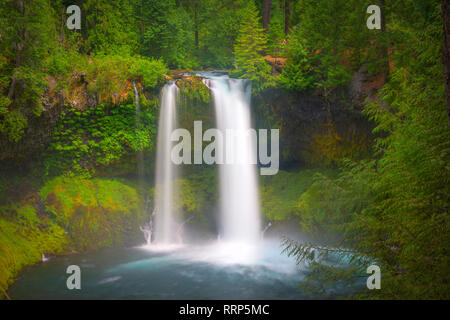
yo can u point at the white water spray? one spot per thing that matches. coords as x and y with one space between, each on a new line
166 220
239 200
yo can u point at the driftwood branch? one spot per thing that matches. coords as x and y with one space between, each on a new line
5 294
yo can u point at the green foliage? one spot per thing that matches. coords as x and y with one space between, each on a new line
168 33
326 45
63 61
198 196
280 193
250 44
108 76
326 204
105 134
193 88
14 124
301 72
392 209
24 237
96 212
395 209
219 24
328 147
99 136
321 277
149 71
24 46
33 86
276 35
81 214
111 27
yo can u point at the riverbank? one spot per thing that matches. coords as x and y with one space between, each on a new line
68 215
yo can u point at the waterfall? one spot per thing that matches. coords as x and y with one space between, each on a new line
166 220
239 221
239 200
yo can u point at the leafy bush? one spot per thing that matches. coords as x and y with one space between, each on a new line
99 136
109 77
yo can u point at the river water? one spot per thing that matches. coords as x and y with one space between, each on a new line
211 271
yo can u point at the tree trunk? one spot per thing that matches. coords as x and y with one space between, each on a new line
266 14
287 17
446 52
196 23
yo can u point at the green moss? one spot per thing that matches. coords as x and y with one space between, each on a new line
329 147
24 237
199 195
81 214
280 193
96 212
194 88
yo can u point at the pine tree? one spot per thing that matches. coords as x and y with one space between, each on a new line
249 49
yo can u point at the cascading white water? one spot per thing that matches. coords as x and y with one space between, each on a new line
239 224
239 200
166 221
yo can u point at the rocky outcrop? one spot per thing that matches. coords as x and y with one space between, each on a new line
308 133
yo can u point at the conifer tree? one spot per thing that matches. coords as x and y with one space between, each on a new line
249 49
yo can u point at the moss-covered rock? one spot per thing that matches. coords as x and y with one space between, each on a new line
95 212
280 193
69 214
193 87
199 197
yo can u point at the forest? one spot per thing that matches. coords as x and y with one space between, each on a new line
363 114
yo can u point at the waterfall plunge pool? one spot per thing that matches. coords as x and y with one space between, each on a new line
214 271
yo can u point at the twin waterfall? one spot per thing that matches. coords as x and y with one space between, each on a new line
238 187
166 218
239 203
